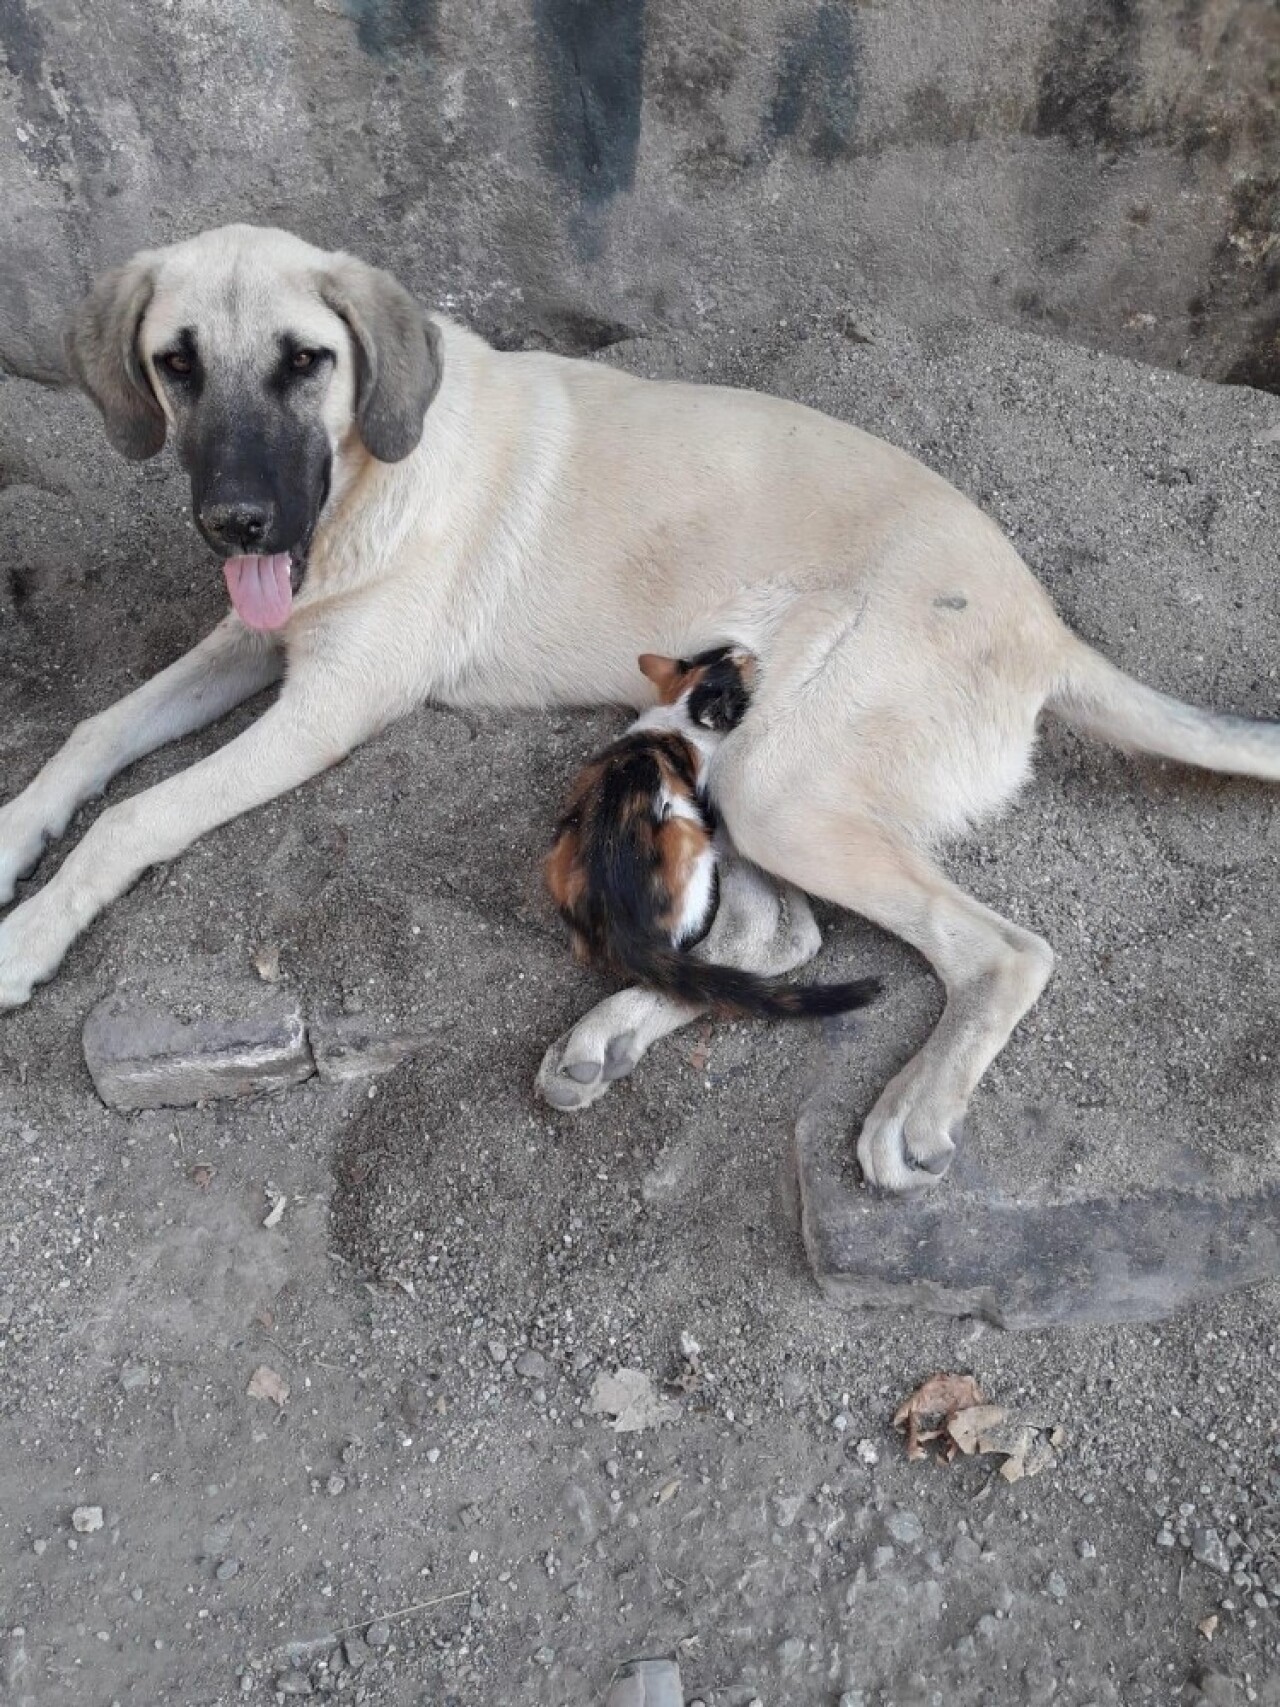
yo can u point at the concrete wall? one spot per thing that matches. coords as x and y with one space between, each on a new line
573 171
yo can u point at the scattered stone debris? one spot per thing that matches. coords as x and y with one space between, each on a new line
629 1401
264 1383
85 1519
266 962
689 1375
1208 1548
951 1410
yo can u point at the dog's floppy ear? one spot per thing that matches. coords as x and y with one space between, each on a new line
398 356
102 353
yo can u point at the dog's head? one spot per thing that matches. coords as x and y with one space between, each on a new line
272 363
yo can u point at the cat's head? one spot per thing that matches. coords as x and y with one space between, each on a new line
715 686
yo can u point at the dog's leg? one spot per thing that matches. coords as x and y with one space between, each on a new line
313 724
227 667
993 972
758 927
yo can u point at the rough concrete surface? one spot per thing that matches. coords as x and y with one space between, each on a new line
573 171
434 1514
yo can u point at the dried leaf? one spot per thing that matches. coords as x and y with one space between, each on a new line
202 1175
925 1412
967 1427
700 1054
264 1383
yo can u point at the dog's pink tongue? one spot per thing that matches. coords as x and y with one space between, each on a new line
260 589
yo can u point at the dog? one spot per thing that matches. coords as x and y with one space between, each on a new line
404 513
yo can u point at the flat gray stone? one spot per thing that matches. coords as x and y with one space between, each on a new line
142 1055
1037 1257
357 1046
646 1683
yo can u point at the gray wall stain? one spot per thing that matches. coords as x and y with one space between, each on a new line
389 26
593 55
816 99
1089 73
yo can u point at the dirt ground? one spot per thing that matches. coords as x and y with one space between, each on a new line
435 1515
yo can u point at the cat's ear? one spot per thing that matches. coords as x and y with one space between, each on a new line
664 673
745 663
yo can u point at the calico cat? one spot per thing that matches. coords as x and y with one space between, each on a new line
633 869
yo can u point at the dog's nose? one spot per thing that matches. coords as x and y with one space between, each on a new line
239 526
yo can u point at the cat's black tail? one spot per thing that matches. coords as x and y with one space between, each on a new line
729 990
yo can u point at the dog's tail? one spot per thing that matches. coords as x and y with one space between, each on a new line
731 991
1100 700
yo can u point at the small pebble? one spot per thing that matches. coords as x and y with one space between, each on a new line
86 1518
531 1365
905 1527
498 1351
227 1569
336 1485
378 1635
1208 1548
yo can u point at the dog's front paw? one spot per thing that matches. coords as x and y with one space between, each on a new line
25 958
23 839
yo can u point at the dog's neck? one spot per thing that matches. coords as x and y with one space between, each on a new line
412 500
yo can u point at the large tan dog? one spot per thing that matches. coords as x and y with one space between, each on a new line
550 521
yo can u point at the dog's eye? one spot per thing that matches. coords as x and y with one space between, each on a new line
301 360
177 363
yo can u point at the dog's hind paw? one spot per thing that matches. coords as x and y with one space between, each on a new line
576 1071
906 1150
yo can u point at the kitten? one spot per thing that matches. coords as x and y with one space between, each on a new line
633 868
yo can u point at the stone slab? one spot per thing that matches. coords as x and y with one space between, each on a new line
1036 1257
356 1046
647 1683
140 1055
